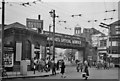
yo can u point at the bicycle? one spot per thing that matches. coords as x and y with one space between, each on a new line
4 73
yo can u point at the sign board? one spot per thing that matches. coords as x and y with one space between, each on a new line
34 23
8 56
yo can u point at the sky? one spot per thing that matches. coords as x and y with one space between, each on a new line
90 10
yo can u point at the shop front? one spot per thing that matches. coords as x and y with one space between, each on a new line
22 44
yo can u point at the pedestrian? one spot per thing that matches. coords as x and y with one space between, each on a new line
58 65
53 68
49 65
63 69
39 65
81 66
32 64
86 71
78 67
106 65
34 68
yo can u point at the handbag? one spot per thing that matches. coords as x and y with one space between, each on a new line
84 74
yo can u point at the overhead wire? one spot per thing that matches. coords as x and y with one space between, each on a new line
113 11
47 4
63 12
106 14
66 11
30 7
60 17
55 7
77 18
105 9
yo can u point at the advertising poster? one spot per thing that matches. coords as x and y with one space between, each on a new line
8 56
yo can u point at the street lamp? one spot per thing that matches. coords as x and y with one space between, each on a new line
92 20
53 15
62 21
2 40
76 15
68 28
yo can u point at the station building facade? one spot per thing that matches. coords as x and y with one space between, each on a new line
21 43
114 42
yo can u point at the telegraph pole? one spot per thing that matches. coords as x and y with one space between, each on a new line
2 39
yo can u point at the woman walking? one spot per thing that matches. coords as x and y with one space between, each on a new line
86 71
63 69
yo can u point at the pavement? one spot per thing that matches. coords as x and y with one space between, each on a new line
30 74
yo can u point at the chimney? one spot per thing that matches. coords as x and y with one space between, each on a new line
38 17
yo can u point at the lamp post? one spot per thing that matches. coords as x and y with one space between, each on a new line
2 39
53 15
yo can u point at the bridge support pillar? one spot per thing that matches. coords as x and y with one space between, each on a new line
79 55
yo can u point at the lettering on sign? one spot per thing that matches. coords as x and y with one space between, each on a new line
57 39
66 40
76 42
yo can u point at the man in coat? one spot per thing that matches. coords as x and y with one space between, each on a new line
63 69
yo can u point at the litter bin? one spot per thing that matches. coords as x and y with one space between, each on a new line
23 67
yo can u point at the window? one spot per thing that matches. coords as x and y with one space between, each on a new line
118 43
114 43
117 32
26 50
117 26
117 29
103 43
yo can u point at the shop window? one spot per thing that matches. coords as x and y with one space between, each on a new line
117 27
26 50
37 50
